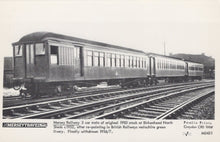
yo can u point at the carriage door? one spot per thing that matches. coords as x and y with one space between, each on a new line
152 66
186 69
79 59
29 58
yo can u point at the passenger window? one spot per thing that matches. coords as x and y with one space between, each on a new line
53 54
77 52
118 60
18 50
134 62
109 60
29 53
131 61
157 64
39 49
113 60
89 58
145 63
138 62
126 61
122 60
101 59
141 62
96 59
166 64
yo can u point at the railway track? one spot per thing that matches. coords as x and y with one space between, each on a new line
165 107
18 100
203 108
92 105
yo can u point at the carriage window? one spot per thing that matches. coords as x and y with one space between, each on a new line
144 62
18 50
131 62
113 60
39 49
138 62
77 52
96 59
108 60
122 60
89 58
118 60
166 64
158 64
101 59
53 54
191 68
141 62
134 62
126 61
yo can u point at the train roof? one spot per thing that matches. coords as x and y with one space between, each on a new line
42 36
155 54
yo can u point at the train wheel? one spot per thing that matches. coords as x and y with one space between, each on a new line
139 84
155 81
34 90
23 93
58 90
16 86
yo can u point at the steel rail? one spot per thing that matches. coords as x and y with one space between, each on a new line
173 111
148 102
84 105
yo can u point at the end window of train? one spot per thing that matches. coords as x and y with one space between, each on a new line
18 50
39 49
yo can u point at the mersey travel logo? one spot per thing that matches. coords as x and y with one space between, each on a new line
23 125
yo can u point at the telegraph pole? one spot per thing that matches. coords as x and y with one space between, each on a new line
164 48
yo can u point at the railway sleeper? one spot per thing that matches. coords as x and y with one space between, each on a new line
153 109
149 112
158 107
144 115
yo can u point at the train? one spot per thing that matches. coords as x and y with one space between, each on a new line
51 63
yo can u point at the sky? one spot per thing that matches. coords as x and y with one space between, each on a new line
186 26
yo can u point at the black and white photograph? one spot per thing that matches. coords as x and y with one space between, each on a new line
109 67
58 76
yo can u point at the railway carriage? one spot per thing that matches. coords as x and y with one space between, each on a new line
168 68
50 63
115 65
195 70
